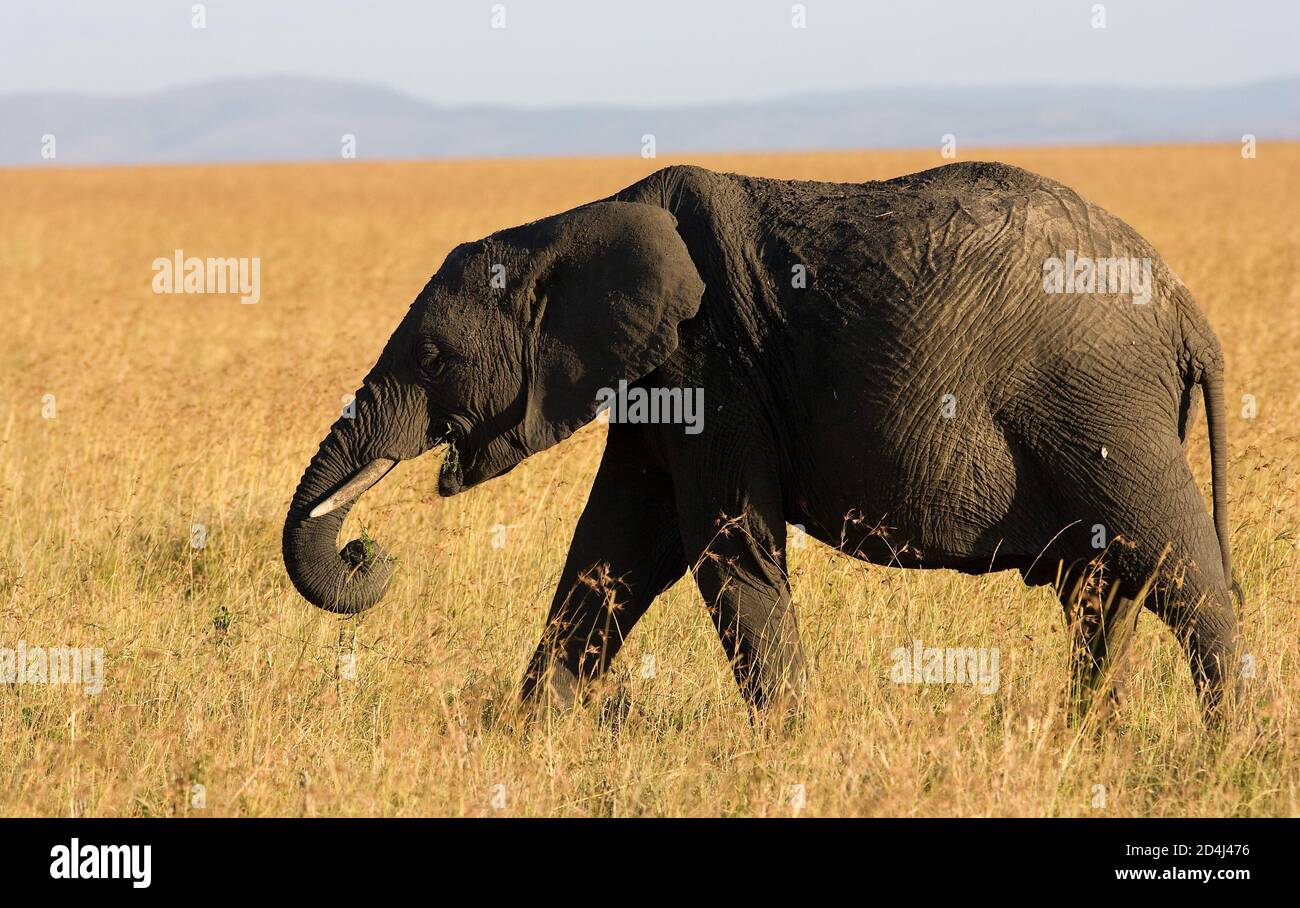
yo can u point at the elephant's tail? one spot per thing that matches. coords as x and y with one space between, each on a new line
1211 382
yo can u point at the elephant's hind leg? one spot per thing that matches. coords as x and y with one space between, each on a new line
626 550
1179 573
1197 605
1163 551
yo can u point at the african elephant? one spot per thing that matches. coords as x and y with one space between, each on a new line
904 368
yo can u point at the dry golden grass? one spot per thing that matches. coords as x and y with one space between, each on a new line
185 409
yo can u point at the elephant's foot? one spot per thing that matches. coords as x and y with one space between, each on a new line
1106 702
777 691
551 689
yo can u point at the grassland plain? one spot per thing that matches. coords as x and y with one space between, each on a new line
226 694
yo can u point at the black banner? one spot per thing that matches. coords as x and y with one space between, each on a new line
335 857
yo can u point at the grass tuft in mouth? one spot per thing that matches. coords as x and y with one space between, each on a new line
361 552
450 463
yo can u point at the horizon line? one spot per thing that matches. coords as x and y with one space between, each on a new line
91 94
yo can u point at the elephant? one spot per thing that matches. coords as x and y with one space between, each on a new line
919 372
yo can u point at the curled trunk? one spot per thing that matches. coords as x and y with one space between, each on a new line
347 581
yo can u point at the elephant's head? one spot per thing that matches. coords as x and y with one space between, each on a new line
501 355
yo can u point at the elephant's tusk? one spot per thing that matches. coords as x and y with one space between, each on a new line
368 475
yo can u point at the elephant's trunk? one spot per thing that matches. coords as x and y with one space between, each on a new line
344 582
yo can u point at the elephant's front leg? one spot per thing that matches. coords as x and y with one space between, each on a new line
741 573
626 550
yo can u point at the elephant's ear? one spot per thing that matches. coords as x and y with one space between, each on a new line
616 282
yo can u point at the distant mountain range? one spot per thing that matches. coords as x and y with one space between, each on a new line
299 119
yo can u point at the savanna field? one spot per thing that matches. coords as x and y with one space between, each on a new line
227 694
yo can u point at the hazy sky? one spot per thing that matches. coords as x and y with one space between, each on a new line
631 52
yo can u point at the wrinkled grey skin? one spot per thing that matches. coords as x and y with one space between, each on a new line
824 406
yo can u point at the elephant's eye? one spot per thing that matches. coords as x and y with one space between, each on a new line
430 356
435 359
